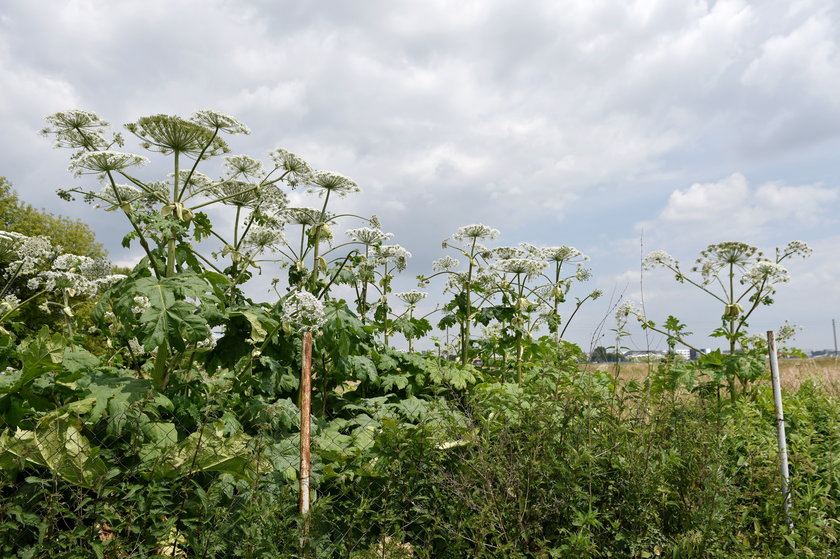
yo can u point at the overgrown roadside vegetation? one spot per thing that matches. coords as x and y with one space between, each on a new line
158 414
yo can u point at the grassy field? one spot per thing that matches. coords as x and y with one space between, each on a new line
825 371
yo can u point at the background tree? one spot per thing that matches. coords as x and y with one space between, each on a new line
73 235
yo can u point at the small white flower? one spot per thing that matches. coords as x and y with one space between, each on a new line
506 253
243 166
251 195
8 303
220 120
395 254
262 238
141 303
625 310
799 248
583 274
563 253
296 170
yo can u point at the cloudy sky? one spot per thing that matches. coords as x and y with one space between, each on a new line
615 126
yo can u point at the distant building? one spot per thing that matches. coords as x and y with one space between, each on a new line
694 354
644 356
684 353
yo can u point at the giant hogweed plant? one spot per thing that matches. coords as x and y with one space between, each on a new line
533 285
741 279
518 288
469 287
187 289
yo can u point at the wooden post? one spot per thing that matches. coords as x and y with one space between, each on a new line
780 424
305 435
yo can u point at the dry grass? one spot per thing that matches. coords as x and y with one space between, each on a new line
825 371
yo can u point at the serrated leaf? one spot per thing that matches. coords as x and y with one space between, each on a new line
363 368
78 359
67 452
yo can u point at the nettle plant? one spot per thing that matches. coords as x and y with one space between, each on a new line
741 279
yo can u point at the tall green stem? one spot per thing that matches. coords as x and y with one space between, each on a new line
317 246
465 329
170 252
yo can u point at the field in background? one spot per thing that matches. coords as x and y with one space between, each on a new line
822 370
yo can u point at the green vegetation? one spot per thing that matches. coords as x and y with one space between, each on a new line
74 236
166 422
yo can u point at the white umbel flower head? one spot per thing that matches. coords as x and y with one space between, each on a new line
219 120
296 170
563 253
8 303
25 254
262 238
475 231
411 297
624 311
445 264
767 273
239 166
368 235
392 254
304 311
658 259
794 248
506 253
521 266
104 161
329 181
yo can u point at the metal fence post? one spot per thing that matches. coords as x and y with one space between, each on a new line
780 424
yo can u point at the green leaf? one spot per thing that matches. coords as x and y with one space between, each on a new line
115 394
38 356
78 359
159 437
363 368
43 353
67 452
209 450
19 448
258 333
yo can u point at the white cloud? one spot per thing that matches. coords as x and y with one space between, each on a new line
742 210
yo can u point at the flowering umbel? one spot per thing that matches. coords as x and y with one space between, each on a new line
303 311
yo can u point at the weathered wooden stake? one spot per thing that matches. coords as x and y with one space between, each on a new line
780 424
305 435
